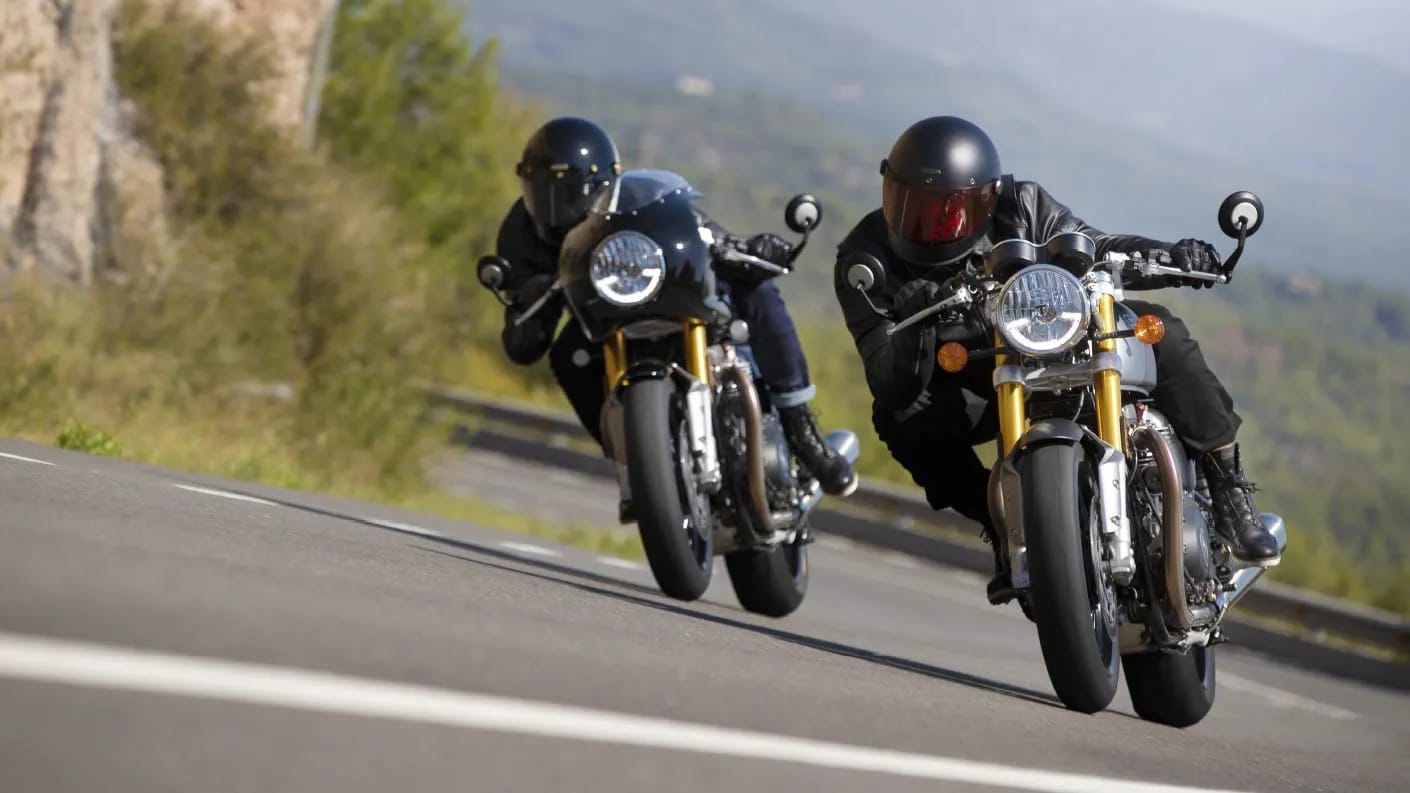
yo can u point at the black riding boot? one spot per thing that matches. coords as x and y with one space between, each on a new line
832 470
1235 516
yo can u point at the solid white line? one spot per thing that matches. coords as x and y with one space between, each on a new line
55 661
1285 699
24 459
224 494
403 527
625 564
524 547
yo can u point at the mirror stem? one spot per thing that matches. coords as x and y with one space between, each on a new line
798 249
1238 250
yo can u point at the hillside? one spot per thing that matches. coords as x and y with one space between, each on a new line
1125 179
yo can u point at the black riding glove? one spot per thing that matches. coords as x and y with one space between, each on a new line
533 288
921 294
527 341
771 247
1196 256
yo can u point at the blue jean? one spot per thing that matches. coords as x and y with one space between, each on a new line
773 341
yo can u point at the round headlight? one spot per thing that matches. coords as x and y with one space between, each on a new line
1042 310
628 268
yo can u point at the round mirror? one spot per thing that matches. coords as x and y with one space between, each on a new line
491 271
1241 210
803 213
863 271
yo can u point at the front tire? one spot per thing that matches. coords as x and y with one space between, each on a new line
770 581
678 551
1078 640
1174 690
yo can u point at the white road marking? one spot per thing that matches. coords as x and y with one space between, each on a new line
1284 699
524 547
224 494
403 527
625 564
24 459
83 664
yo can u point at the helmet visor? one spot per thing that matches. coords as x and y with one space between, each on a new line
935 216
558 204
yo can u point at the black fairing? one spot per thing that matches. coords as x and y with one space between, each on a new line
688 289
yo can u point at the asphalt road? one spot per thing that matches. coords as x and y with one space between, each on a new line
155 637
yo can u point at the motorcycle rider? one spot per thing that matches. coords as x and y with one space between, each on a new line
945 202
565 165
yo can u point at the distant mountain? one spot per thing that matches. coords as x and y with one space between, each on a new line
1117 179
1211 83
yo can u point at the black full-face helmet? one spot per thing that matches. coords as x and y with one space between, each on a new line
566 163
939 187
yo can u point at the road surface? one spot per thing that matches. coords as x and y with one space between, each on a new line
161 631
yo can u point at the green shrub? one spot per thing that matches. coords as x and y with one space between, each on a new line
81 437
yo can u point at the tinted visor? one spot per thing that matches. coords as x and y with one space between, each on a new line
935 216
558 204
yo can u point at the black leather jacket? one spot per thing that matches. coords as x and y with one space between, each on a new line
897 373
529 255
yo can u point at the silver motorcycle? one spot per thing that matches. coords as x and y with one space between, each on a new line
1105 522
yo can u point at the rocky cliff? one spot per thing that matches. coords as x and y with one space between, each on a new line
71 175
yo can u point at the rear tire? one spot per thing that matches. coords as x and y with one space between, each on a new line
770 581
1174 690
679 553
1079 649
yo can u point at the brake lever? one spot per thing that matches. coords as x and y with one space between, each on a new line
960 297
540 303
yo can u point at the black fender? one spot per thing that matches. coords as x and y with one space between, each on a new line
1051 430
643 370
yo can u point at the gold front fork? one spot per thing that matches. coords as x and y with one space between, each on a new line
614 359
697 344
1108 381
1013 414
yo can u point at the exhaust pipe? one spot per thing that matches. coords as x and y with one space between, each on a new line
1172 533
1244 578
754 440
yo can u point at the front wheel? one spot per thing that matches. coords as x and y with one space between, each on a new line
1175 690
1071 604
673 516
770 581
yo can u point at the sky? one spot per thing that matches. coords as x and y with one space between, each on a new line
1375 28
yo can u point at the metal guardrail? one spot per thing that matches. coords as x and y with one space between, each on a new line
882 515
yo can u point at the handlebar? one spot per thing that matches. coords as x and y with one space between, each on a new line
731 255
1148 266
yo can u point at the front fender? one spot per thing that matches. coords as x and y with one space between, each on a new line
1051 430
643 370
1006 488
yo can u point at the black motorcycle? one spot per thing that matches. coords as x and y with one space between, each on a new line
692 431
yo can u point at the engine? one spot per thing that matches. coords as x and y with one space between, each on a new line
778 463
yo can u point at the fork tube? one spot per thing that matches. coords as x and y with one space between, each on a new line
697 359
1108 381
1013 418
614 358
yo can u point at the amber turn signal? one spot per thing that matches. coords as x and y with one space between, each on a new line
952 356
1149 329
